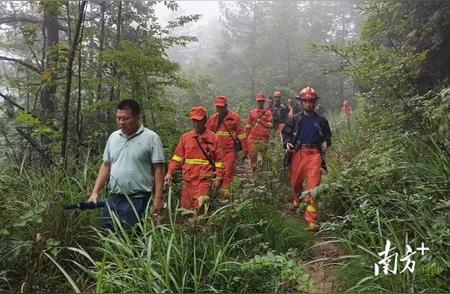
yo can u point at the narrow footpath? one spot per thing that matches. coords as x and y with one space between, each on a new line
322 264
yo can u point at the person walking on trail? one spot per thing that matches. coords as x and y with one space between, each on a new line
280 111
270 103
269 107
259 123
226 124
346 109
199 156
293 107
133 162
306 136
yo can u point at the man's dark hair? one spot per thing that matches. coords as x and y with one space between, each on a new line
131 104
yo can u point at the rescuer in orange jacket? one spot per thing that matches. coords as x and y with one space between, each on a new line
226 124
306 136
259 123
270 103
199 156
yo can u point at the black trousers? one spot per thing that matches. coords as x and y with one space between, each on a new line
123 209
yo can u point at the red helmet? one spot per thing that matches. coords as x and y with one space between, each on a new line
277 94
308 93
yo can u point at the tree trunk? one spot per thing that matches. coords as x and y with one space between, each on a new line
78 118
69 28
72 51
101 48
113 95
52 38
118 37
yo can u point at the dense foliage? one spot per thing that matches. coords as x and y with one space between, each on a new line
52 106
396 188
247 246
271 45
392 158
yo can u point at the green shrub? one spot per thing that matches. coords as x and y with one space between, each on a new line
395 188
272 273
205 256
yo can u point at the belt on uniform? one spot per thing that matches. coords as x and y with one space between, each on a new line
308 146
139 194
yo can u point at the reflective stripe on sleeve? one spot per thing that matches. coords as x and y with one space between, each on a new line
196 161
178 158
225 133
220 164
242 136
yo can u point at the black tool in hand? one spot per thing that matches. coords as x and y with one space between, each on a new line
83 205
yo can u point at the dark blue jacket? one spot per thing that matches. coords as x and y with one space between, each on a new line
293 127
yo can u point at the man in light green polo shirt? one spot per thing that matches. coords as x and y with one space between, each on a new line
133 162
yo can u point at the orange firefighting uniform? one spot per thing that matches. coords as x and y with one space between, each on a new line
307 135
258 132
232 122
306 161
197 171
305 164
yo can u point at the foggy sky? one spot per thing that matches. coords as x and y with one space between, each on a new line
208 8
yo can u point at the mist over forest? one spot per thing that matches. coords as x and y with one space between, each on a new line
262 46
381 72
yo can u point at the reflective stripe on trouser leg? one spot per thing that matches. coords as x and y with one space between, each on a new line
314 160
305 165
311 211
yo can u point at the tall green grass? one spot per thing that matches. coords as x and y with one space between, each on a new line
214 254
395 187
33 223
247 246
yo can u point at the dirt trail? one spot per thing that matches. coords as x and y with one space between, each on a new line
321 265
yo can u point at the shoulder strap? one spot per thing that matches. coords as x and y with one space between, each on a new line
264 112
220 121
211 161
226 128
